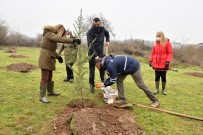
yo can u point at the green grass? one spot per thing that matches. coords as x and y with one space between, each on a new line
20 108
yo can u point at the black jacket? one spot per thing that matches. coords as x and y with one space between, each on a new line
98 45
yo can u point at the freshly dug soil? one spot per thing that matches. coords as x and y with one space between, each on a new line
21 67
17 56
107 120
195 74
10 51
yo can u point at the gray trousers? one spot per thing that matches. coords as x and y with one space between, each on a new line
137 77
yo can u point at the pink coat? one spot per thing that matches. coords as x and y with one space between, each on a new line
160 54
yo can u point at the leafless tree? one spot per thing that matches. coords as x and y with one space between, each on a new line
3 31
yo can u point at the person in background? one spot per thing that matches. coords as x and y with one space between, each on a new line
118 67
70 54
48 56
95 41
160 59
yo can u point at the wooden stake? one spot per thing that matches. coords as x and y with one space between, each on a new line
169 112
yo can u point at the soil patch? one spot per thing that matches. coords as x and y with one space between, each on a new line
21 67
17 56
107 120
10 50
78 104
195 74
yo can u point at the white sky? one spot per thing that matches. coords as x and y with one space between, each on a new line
180 20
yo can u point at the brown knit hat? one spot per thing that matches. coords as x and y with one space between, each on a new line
60 30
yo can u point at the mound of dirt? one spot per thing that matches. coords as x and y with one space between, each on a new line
195 74
96 121
78 104
17 56
21 67
10 51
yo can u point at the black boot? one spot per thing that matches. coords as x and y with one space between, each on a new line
91 88
43 89
50 89
164 88
157 87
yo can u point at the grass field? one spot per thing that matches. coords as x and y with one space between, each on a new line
22 113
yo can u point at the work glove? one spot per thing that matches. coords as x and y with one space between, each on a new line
60 59
167 64
150 63
76 40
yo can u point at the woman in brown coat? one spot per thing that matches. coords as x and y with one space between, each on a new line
48 56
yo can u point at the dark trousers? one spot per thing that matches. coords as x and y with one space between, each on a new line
92 72
159 74
46 76
69 71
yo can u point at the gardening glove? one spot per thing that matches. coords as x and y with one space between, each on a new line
76 40
150 63
60 59
167 64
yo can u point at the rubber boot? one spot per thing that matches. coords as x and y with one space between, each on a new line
157 87
91 88
164 88
43 89
50 89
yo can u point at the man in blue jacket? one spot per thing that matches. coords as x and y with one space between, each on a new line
95 41
119 67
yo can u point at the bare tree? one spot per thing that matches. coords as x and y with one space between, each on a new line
3 31
104 21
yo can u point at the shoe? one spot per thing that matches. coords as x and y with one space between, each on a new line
50 89
44 100
155 104
43 89
71 80
164 88
120 101
157 87
91 88
156 92
66 80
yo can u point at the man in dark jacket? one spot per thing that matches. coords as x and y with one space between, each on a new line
95 40
118 68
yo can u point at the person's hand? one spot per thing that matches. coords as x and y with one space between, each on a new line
76 40
107 44
60 59
167 64
150 63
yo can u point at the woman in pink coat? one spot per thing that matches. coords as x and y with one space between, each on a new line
160 60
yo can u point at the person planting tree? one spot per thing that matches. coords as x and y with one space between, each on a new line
118 67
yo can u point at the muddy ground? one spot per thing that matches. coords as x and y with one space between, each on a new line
195 74
21 67
92 120
17 56
10 50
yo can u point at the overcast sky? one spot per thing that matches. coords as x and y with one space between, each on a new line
180 20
